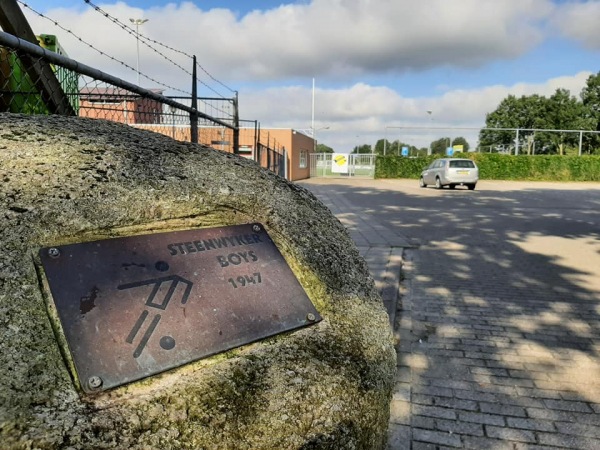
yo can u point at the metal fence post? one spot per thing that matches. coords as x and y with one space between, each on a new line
236 124
194 116
255 140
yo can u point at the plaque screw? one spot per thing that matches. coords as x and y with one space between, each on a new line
53 252
311 317
94 382
256 228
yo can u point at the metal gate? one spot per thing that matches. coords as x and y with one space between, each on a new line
358 165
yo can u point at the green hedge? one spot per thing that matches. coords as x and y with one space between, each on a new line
501 167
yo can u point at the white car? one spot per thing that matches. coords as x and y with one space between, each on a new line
450 172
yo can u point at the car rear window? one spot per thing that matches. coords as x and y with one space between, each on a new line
466 163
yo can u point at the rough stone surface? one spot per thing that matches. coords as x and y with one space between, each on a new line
70 180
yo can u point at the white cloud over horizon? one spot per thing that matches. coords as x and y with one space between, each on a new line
377 63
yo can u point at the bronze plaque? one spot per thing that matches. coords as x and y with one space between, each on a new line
136 306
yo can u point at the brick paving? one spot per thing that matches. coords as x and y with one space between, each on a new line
499 346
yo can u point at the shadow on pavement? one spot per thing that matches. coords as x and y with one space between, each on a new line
503 294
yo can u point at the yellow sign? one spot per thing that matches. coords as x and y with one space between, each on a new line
339 162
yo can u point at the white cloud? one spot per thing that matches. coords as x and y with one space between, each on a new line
360 113
579 21
341 38
339 41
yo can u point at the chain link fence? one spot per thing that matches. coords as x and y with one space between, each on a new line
421 141
41 79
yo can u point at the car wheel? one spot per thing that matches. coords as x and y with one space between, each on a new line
438 183
451 186
422 182
471 187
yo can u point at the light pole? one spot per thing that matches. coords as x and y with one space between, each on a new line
137 23
429 149
315 137
385 140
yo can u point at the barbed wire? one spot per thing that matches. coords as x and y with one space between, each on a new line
56 23
137 35
130 31
146 41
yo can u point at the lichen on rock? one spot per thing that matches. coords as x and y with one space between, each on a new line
67 180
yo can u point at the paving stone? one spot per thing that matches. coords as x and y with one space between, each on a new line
433 411
522 446
578 429
427 446
564 416
423 422
477 396
402 391
481 418
436 437
569 441
505 410
530 424
510 434
458 427
455 403
480 443
568 406
399 437
400 412
433 390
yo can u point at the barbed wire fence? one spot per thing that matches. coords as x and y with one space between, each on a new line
42 79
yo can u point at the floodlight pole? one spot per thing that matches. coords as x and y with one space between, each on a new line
312 126
137 23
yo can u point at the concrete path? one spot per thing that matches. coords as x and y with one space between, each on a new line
499 344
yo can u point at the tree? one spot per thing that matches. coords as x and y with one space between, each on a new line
382 146
563 112
502 117
513 112
461 141
322 148
439 146
364 148
590 96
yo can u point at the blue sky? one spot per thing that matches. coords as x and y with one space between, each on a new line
377 64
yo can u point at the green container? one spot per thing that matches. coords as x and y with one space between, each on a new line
25 96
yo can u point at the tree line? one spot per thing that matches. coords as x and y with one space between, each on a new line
561 111
385 147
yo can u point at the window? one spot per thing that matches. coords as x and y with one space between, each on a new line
303 159
245 150
465 163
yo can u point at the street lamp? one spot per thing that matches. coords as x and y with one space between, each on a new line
137 23
314 133
385 139
429 149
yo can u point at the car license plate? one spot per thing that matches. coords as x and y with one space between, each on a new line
463 172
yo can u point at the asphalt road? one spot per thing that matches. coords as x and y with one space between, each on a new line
499 315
